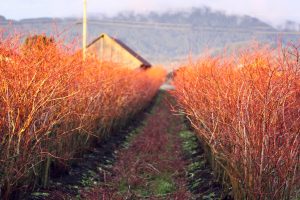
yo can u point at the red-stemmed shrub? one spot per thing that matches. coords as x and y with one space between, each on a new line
246 109
53 105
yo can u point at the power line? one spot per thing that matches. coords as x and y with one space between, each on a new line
171 26
151 25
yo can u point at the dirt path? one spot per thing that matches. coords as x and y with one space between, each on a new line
157 159
153 165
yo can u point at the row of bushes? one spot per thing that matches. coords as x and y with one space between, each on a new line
246 109
53 105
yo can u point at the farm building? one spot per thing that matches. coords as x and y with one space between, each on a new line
107 48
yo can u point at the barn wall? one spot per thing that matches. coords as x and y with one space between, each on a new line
106 49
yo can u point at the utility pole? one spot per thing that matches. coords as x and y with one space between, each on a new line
84 30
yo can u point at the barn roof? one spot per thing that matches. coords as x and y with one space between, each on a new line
121 44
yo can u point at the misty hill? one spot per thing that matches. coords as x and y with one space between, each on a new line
163 37
197 17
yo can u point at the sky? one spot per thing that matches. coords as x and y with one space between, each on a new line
271 11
